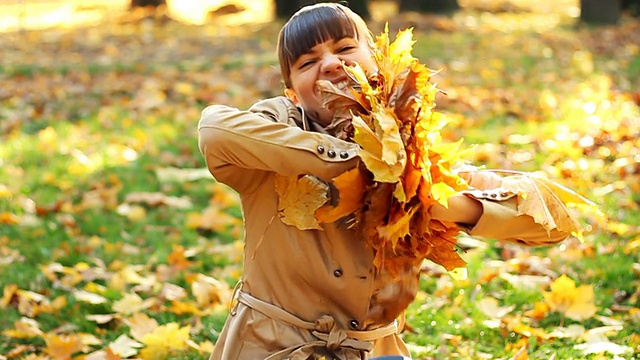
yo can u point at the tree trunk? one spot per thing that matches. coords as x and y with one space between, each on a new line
429 6
600 11
286 8
145 3
632 6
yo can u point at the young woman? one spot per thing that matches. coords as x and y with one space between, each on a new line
309 294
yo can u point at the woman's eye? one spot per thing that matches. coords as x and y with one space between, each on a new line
347 48
306 64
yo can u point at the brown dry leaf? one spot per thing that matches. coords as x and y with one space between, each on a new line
441 251
545 201
351 187
62 347
342 103
299 199
158 199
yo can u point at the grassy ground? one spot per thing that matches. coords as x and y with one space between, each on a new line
101 196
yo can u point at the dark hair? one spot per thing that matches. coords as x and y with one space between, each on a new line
315 24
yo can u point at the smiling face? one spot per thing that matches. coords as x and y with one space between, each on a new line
324 62
313 45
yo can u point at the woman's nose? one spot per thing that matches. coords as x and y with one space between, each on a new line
331 63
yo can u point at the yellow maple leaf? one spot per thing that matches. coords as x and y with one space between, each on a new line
164 340
380 156
299 198
388 131
576 303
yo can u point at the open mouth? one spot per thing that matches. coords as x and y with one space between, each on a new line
342 84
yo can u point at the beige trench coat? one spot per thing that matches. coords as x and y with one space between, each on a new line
323 279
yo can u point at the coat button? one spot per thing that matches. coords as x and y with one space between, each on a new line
344 154
337 273
493 195
331 153
320 149
353 324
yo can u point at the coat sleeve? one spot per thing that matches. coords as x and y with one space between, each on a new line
265 138
500 219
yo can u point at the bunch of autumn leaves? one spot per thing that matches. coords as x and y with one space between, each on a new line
406 167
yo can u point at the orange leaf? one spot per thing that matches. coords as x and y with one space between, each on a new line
110 355
411 181
539 311
377 202
177 258
398 226
351 187
62 347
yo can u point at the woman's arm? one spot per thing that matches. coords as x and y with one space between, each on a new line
461 210
488 211
266 139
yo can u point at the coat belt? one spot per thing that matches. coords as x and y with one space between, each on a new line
325 330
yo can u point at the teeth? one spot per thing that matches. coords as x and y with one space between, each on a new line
342 85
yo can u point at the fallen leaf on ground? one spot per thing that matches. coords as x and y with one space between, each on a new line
574 302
